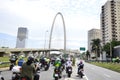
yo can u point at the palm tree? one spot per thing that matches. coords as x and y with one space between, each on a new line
87 54
96 47
106 47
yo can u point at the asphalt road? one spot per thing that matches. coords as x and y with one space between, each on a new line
91 73
97 73
47 75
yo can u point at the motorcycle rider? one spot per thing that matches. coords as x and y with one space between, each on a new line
21 60
13 59
80 66
68 64
42 61
48 61
57 65
62 63
29 70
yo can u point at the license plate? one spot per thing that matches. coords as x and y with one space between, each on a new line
24 79
56 75
13 75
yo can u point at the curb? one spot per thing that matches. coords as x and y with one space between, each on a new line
4 69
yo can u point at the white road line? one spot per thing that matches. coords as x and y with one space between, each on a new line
69 79
92 68
107 75
86 77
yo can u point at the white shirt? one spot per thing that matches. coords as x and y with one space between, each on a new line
68 63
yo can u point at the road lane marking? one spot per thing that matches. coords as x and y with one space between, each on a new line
85 76
92 68
107 75
69 79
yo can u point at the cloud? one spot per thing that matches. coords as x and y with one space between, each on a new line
37 15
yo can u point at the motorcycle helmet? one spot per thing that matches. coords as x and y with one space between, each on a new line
21 57
31 59
58 59
81 62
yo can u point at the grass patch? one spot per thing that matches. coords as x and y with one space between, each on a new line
111 66
4 59
4 65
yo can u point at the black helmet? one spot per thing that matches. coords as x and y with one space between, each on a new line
31 59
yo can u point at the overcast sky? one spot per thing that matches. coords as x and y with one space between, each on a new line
37 15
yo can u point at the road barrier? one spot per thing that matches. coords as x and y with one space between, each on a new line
4 63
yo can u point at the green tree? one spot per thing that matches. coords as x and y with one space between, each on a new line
96 47
106 47
87 54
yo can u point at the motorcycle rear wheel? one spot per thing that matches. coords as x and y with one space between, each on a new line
2 78
69 75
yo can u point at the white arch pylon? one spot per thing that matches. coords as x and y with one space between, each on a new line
59 13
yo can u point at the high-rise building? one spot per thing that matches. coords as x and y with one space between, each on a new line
22 36
110 21
93 34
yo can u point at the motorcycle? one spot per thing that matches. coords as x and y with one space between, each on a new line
69 71
62 67
11 66
36 77
1 77
46 66
12 60
16 72
38 65
24 78
52 61
57 73
80 73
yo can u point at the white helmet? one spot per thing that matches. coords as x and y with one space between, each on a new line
69 59
58 59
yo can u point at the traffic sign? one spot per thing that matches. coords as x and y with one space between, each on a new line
82 48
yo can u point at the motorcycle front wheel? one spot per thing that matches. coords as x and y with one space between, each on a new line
2 78
56 78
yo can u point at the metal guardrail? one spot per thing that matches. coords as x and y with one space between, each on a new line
4 68
4 63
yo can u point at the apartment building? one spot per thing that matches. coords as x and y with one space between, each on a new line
93 34
110 21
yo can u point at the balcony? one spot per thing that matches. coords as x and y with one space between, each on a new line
113 31
113 16
112 2
113 13
113 38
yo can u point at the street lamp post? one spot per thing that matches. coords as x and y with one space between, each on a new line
110 50
45 39
101 52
